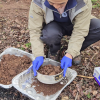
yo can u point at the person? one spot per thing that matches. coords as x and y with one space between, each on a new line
50 20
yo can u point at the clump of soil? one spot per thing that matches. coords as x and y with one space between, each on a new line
50 70
46 89
12 65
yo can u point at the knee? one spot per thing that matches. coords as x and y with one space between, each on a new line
51 34
95 23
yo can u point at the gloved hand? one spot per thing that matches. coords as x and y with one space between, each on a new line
37 63
65 63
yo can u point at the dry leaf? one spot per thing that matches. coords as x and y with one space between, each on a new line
94 92
74 93
22 31
65 98
98 96
4 37
18 45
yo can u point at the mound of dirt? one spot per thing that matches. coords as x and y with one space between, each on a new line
50 70
12 65
47 89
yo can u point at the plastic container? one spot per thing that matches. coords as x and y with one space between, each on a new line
22 82
96 75
16 52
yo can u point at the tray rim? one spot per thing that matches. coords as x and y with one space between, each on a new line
12 48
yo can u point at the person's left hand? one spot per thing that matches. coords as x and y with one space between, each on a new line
65 63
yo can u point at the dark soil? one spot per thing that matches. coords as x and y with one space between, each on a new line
47 89
11 94
12 65
50 70
14 33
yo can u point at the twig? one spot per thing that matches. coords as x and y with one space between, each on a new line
85 76
92 63
76 96
90 60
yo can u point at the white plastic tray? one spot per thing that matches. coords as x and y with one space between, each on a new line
16 52
22 82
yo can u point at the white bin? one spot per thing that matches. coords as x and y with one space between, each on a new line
16 52
23 81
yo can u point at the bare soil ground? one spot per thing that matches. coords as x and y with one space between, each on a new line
14 32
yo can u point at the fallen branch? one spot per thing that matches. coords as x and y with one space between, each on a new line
85 76
76 96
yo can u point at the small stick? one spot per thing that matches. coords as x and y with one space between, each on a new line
85 76
76 96
90 60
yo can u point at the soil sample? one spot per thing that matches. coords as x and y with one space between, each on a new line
50 69
12 65
46 89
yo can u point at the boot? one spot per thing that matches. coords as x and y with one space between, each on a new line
53 56
76 60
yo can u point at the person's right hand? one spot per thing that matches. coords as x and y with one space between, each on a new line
37 63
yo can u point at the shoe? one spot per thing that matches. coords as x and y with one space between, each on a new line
53 56
76 60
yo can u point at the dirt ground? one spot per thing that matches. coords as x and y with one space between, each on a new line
14 33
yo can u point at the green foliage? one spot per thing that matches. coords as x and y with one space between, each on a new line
96 3
28 45
93 1
22 48
89 96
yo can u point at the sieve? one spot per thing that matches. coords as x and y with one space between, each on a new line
50 79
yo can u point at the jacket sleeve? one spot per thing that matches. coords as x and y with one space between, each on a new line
80 30
35 23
